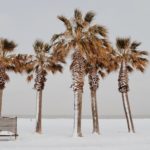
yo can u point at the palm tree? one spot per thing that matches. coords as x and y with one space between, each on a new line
7 63
78 38
41 64
101 64
129 58
78 67
95 73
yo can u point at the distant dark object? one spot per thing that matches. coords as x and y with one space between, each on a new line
8 127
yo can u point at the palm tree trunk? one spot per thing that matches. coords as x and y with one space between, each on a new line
78 73
131 125
94 112
94 84
124 88
39 112
125 110
1 96
77 114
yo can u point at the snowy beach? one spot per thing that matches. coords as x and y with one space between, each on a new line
57 135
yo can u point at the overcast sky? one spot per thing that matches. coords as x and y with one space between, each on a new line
24 21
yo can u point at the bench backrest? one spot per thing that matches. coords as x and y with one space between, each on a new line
8 124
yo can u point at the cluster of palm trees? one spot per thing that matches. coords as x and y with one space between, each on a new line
92 55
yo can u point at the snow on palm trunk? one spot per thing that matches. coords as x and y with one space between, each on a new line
78 73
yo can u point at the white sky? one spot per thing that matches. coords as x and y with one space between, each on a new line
24 21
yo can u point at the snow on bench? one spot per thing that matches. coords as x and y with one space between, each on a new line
8 127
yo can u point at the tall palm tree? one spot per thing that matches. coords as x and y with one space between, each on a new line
7 63
78 38
129 58
78 67
40 65
96 72
100 65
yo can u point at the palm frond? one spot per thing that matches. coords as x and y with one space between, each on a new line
30 77
40 46
55 37
89 16
97 29
7 45
77 15
123 43
66 22
129 68
140 68
102 74
54 68
135 44
46 48
144 60
143 52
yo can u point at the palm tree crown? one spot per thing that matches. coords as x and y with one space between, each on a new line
41 64
7 60
127 51
80 35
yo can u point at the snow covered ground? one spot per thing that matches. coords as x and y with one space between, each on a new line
57 135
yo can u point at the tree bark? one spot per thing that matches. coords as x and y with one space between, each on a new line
39 112
131 125
1 98
94 112
124 88
78 73
77 114
94 84
125 110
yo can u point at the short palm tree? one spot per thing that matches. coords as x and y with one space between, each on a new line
82 39
7 63
129 58
40 65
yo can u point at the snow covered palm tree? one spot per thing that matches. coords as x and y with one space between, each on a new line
80 38
40 65
129 58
